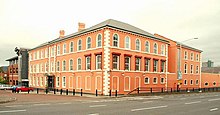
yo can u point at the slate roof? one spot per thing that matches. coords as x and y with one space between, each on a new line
13 58
188 47
211 70
108 23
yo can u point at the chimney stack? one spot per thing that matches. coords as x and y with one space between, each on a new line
81 26
62 33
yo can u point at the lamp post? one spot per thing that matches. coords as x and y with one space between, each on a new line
179 72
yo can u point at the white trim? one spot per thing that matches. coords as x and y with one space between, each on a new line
58 50
63 82
87 42
78 44
129 45
163 80
64 49
148 80
70 46
139 45
129 82
148 46
86 83
156 49
191 81
118 43
196 81
63 66
185 83
57 81
72 64
97 40
78 63
156 80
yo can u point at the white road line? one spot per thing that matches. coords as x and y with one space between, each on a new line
64 103
193 102
94 114
157 107
41 104
214 109
97 105
12 111
147 101
15 106
214 99
182 98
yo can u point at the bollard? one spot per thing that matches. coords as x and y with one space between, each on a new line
116 93
46 91
57 90
186 89
151 90
138 90
37 90
28 91
66 91
110 93
171 90
74 92
193 89
81 92
161 90
54 91
96 92
61 91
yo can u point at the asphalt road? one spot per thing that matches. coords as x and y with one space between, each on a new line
181 104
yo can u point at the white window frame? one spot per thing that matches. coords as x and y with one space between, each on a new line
71 47
139 64
163 50
185 55
64 82
79 64
78 83
58 81
115 40
163 80
155 48
185 68
197 69
88 44
155 65
156 80
88 63
147 46
138 45
185 82
71 65
191 68
197 82
191 56
64 66
148 80
79 46
58 66
64 48
129 63
191 82
127 43
98 41
58 49
115 62
97 63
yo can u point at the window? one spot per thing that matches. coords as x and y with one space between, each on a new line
98 61
71 65
52 66
58 50
197 57
206 83
137 64
162 66
46 53
185 55
37 82
162 80
127 42
185 82
64 65
127 63
79 45
88 83
58 82
197 69
99 40
155 80
64 48
138 44
46 67
115 40
58 66
88 42
88 62
147 64
146 80
38 55
127 83
162 49
197 82
41 81
191 82
155 48
45 81
115 62
147 47
155 63
64 82
52 51
71 46
185 68
42 54
192 56
79 64
78 82
191 69
214 83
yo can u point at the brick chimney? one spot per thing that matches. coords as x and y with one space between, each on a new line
62 33
81 26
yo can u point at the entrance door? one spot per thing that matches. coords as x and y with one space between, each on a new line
50 82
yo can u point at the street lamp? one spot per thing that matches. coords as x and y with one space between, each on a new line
180 57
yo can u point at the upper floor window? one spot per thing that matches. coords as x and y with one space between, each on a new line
127 63
64 65
52 51
88 43
162 66
191 69
137 64
115 61
58 50
42 53
155 48
79 64
79 47
58 66
64 48
127 42
162 49
88 62
192 56
38 55
147 46
46 53
99 40
155 63
71 46
185 55
115 40
138 44
71 65
98 61
147 64
185 68
197 57
197 69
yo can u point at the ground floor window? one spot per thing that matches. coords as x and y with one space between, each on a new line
64 82
127 83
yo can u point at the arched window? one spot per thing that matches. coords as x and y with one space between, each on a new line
147 46
138 44
88 43
64 65
146 80
79 45
162 49
79 64
115 40
127 42
71 65
71 46
155 48
99 40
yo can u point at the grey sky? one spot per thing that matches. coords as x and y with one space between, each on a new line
28 23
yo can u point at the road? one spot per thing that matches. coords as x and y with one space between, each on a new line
180 104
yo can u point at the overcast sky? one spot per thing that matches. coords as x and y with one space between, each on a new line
28 23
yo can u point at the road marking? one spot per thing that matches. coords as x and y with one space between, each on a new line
182 98
214 109
97 105
157 107
147 101
215 95
193 102
64 103
214 99
94 114
14 106
13 111
41 104
201 96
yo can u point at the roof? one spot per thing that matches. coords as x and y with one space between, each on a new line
211 70
108 23
188 47
13 58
